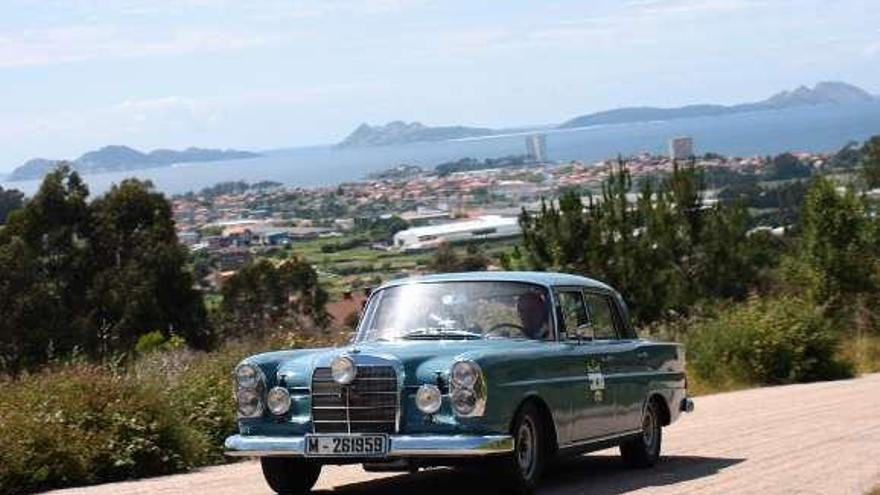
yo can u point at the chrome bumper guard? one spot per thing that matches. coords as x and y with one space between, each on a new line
401 446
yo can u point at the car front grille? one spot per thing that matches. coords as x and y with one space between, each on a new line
367 405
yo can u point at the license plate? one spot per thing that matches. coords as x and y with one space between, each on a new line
346 445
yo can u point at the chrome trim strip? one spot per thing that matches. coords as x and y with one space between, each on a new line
605 438
401 446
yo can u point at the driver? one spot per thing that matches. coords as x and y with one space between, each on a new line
532 309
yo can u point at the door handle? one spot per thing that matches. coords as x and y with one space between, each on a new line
642 355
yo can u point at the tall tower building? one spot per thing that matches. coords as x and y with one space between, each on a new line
536 148
681 148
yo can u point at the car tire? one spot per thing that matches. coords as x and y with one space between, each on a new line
290 476
522 470
644 450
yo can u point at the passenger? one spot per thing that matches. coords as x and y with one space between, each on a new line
533 311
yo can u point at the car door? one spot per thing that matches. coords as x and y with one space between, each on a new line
621 359
592 407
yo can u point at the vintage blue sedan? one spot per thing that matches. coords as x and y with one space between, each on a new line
511 369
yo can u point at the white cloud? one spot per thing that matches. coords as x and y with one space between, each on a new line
76 31
684 7
36 47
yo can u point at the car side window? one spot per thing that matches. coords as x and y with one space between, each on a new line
601 316
574 313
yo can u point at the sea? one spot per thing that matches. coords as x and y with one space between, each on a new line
815 129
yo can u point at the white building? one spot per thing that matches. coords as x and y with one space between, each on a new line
481 228
681 148
536 147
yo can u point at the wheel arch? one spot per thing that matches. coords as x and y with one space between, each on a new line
662 407
546 417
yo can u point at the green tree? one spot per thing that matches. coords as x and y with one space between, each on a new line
10 199
871 162
141 282
447 260
787 166
838 243
663 248
45 267
92 278
261 297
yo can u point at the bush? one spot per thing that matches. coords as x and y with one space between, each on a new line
766 341
85 424
77 424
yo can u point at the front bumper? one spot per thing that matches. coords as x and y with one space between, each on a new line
401 446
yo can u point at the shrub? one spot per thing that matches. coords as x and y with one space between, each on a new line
766 341
77 424
84 424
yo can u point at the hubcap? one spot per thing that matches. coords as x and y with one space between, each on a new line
525 447
648 428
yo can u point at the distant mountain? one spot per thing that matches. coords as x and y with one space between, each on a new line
121 158
824 93
33 168
399 132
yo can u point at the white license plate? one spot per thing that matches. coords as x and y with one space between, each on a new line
346 445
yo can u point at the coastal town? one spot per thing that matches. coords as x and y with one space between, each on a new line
388 224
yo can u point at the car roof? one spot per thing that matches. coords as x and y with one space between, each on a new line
547 279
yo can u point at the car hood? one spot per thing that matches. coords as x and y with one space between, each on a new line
419 361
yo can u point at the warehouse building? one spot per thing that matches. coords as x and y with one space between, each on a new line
481 228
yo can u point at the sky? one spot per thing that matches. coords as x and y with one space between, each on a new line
76 75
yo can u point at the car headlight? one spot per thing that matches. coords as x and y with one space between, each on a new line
343 370
467 389
249 403
247 375
249 385
428 399
464 374
278 400
464 401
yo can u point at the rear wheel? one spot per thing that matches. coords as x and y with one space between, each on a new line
290 476
644 450
522 470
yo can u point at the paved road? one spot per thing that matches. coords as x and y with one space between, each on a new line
807 439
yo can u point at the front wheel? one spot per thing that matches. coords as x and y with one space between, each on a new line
522 470
289 476
644 450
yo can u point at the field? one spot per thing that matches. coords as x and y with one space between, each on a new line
351 268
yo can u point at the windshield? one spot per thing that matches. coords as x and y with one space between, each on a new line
458 311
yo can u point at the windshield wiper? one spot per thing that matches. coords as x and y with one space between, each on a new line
441 333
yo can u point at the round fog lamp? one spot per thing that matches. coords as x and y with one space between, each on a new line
278 401
247 376
343 370
249 404
428 399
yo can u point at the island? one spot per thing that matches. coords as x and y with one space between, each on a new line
123 158
398 132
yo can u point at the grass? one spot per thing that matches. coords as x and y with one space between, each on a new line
336 268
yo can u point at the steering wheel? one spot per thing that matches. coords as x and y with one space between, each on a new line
498 326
